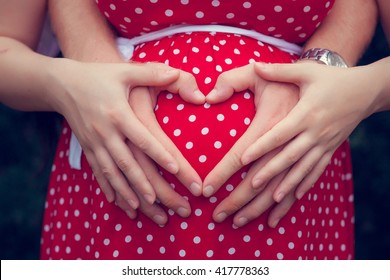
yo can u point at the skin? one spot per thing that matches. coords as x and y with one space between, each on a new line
266 185
68 86
331 34
324 117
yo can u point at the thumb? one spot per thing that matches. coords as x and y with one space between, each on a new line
285 73
150 74
235 80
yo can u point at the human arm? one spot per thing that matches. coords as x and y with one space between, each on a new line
337 33
384 12
78 36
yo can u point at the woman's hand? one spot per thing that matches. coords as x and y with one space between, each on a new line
93 98
273 101
332 103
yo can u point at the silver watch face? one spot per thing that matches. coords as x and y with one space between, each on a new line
335 60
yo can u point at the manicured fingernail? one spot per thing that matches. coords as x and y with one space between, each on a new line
220 217
183 212
208 191
172 168
242 221
279 197
196 189
158 219
133 203
149 198
131 214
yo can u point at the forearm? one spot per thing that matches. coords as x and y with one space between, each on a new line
28 80
83 33
379 73
384 10
348 29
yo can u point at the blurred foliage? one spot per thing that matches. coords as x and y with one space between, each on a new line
28 142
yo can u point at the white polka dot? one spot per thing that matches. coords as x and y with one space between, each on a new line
112 7
199 14
247 5
218 68
230 16
209 58
168 13
202 158
140 250
176 51
180 107
211 226
307 9
195 70
228 61
182 253
165 120
197 239
189 145
220 117
247 121
106 241
198 212
162 250
280 256
247 238
213 199
138 11
195 49
128 239
192 118
205 131
209 253
233 132
269 241
231 251
282 230
257 253
278 9
234 107
184 225
184 2
221 237
217 144
118 227
261 17
237 51
291 245
177 132
207 80
169 96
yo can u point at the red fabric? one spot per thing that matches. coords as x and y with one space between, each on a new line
79 223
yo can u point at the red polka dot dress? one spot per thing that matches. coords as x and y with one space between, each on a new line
80 224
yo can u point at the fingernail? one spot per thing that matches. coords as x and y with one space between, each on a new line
183 212
242 221
172 168
279 197
256 184
199 95
133 203
196 189
208 191
275 223
300 195
220 217
158 219
149 198
130 214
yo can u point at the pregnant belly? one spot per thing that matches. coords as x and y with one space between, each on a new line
205 133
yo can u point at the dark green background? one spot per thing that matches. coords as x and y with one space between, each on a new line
28 142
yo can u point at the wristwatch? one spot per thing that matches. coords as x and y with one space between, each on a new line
324 56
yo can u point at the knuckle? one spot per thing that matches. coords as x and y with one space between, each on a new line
124 164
